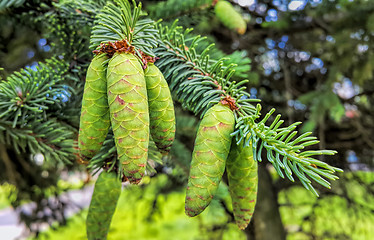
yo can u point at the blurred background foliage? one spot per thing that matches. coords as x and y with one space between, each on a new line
312 60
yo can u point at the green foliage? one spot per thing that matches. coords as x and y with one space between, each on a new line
117 22
7 195
181 152
281 24
370 23
10 3
151 212
198 82
195 79
199 78
28 101
281 142
174 8
241 60
322 103
364 71
305 216
31 91
53 139
197 93
296 204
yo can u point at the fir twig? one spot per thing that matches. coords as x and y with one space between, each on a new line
194 78
32 92
117 22
198 81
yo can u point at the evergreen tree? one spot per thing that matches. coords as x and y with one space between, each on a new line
300 63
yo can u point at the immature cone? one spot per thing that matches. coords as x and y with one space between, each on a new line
243 180
161 109
226 13
94 120
103 205
128 106
211 149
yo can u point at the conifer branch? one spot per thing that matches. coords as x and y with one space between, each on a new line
285 151
54 140
4 4
194 78
117 22
121 21
26 121
198 81
32 92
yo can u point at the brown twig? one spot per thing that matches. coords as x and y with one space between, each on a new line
123 46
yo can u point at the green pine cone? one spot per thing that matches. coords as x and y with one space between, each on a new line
212 146
103 205
243 181
94 120
233 20
161 109
128 106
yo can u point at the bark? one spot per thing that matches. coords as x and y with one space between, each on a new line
10 169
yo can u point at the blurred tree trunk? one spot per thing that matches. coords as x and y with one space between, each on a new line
267 221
